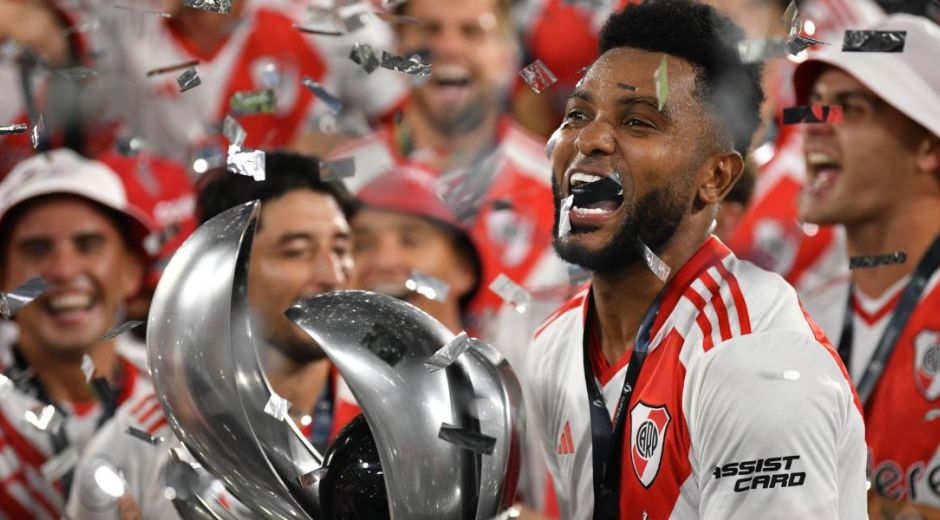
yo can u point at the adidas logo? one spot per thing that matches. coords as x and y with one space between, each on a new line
565 443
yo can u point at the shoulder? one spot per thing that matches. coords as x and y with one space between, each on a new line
569 312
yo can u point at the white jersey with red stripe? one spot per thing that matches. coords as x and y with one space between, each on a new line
905 460
741 410
263 51
24 448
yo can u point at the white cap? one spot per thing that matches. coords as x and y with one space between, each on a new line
62 171
909 80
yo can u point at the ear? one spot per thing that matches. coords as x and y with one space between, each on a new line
132 278
928 154
723 171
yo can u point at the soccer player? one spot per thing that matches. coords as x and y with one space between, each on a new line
878 174
302 247
67 219
704 392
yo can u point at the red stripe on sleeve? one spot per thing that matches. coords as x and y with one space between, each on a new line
724 324
740 306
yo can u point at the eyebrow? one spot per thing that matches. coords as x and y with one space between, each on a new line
847 94
586 96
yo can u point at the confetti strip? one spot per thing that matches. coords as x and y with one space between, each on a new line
363 55
88 367
247 162
215 6
511 292
812 114
12 302
448 354
800 43
863 262
39 130
874 41
77 73
467 439
335 103
172 68
338 169
144 11
662 83
410 66
15 128
537 76
121 329
427 286
144 436
188 79
655 263
277 407
321 32
756 51
253 102
564 216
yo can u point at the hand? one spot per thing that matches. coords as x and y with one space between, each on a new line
128 508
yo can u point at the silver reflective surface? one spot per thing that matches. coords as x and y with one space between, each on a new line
197 354
380 346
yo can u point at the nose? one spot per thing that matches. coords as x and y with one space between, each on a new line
63 265
328 271
447 42
596 138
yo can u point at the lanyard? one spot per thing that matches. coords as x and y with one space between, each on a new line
902 313
607 435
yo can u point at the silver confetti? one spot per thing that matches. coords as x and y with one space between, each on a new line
234 132
12 302
537 76
410 66
427 286
446 355
874 41
77 73
15 128
44 418
756 51
247 162
56 467
121 329
655 263
337 169
324 95
564 216
144 436
253 102
88 367
215 6
277 407
188 79
511 292
467 439
363 55
39 131
144 11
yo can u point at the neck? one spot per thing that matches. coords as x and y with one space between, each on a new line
621 299
301 384
461 148
61 375
911 229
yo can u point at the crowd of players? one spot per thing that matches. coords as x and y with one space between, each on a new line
460 175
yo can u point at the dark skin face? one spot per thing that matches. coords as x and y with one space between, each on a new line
671 166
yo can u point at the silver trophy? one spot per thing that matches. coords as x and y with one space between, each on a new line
447 434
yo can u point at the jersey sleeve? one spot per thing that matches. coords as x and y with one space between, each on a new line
775 426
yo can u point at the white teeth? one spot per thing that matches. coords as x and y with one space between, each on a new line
451 73
578 179
69 301
591 211
817 158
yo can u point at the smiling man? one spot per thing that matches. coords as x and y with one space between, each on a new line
725 400
67 219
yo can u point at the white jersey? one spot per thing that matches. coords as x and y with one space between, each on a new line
742 408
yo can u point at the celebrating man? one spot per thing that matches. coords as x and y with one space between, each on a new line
878 174
684 383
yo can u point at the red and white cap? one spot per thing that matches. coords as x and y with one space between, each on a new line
63 171
408 189
909 80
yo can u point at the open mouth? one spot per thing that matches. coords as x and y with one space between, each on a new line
68 304
822 171
595 195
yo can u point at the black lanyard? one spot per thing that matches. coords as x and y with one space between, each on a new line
902 313
607 435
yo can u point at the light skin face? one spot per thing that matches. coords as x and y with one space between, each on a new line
79 251
389 245
302 248
610 131
470 56
856 169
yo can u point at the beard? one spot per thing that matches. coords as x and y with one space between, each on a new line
652 220
457 122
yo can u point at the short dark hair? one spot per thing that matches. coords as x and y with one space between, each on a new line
284 172
708 40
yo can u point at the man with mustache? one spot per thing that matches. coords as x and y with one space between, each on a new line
683 383
66 219
877 173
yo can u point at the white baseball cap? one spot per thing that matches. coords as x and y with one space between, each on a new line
62 171
909 80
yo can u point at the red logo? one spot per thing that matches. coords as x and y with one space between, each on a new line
565 444
647 436
927 363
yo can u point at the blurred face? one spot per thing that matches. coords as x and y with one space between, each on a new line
302 248
856 169
389 245
470 56
609 131
79 251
